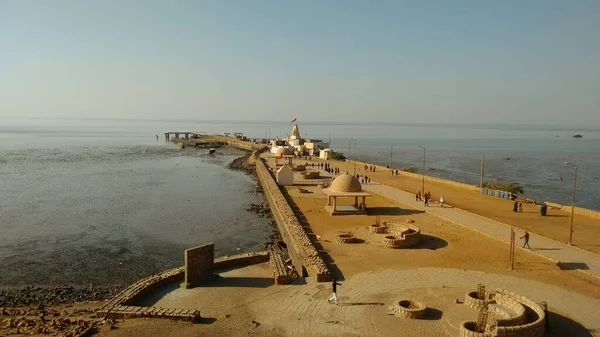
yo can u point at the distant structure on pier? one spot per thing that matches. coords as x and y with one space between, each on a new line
295 144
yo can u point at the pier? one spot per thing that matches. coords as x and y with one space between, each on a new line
176 134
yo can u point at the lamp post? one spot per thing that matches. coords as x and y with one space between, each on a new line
354 162
391 152
572 201
482 167
423 185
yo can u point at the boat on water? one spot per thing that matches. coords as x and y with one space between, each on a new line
211 150
577 136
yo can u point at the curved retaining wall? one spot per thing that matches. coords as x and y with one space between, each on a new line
534 314
300 248
121 306
519 318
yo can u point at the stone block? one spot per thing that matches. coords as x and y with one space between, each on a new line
199 265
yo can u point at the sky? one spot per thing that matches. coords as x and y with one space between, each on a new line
510 62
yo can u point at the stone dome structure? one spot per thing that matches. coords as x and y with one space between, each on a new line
346 183
283 151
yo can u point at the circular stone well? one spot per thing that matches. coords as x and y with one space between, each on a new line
377 228
410 309
346 238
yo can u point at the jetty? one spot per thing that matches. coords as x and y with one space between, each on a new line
186 134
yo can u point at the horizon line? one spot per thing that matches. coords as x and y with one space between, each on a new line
313 122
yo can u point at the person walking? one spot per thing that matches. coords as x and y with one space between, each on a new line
516 207
418 196
520 207
333 297
526 242
442 200
426 199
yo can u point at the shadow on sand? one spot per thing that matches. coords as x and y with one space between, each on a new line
572 266
559 325
392 211
361 303
431 242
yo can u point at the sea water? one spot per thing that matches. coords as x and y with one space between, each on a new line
88 206
106 202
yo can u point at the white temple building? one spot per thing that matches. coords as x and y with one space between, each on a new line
295 144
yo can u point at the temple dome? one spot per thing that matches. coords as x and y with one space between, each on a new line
346 183
283 151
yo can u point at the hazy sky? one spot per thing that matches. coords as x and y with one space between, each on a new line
420 61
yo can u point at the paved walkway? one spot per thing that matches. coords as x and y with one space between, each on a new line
569 257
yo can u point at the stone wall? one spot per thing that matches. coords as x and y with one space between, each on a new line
467 329
300 248
527 320
122 305
534 314
199 264
472 301
420 176
578 210
519 317
279 269
240 260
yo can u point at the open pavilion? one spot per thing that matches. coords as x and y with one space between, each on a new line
344 187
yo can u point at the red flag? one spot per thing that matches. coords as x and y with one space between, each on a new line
293 120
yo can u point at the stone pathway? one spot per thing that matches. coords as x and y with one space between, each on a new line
364 300
569 257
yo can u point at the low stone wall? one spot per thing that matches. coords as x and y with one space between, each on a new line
578 210
472 301
427 178
300 248
407 234
240 260
279 269
310 175
467 329
534 314
121 306
518 319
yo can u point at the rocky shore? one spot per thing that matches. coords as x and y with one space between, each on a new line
241 164
262 210
51 296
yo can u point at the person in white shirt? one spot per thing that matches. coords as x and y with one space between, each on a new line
442 200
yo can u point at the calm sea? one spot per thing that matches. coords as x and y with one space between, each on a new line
105 202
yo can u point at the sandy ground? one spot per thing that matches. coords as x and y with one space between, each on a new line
446 245
555 225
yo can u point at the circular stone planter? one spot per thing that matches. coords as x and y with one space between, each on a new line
410 309
346 238
472 301
467 328
378 229
391 241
